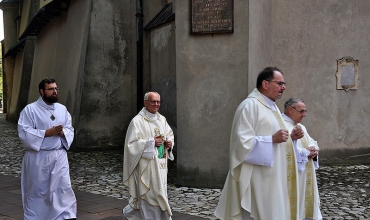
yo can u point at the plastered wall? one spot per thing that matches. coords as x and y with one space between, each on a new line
308 38
212 78
304 39
91 51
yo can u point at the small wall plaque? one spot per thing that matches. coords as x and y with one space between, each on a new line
212 16
347 73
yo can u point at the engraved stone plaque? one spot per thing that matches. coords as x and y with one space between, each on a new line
212 16
347 73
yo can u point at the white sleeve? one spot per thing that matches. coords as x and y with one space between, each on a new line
262 153
68 131
30 136
302 159
170 155
149 151
316 163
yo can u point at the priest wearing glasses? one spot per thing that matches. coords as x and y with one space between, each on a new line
148 146
262 179
45 129
306 149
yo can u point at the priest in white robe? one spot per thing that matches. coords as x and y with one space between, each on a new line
148 145
262 179
307 160
45 129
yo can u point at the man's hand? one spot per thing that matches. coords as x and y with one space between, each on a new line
167 144
158 141
313 152
280 136
297 133
55 130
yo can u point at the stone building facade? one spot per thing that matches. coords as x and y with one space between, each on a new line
106 54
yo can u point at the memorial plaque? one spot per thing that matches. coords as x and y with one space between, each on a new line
347 73
212 16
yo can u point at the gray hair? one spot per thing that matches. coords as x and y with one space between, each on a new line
148 93
291 101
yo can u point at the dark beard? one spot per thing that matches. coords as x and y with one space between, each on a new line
51 99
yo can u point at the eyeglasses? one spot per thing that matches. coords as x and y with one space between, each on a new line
153 102
300 111
280 83
51 89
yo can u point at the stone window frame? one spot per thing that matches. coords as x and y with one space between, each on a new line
347 61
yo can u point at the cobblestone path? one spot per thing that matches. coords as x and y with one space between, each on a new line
344 190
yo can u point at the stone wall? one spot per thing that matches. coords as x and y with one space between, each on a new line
86 51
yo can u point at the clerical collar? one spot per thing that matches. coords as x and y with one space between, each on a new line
269 102
151 115
41 102
286 117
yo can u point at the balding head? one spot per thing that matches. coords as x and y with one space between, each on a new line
152 101
295 109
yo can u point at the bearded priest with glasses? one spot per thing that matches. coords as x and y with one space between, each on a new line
45 129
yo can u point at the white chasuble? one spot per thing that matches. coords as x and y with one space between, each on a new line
309 200
260 191
146 178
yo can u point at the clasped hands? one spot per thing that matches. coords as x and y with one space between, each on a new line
159 141
282 135
313 152
55 130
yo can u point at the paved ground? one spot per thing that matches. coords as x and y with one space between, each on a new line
97 181
98 190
